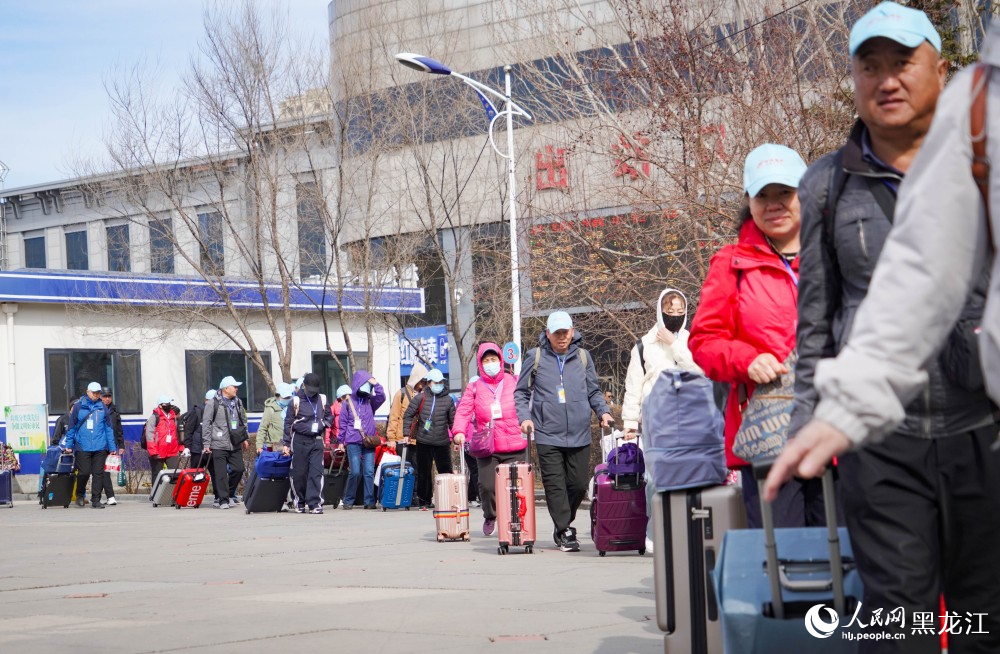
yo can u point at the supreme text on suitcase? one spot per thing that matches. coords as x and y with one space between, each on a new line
688 527
192 484
451 505
515 493
769 580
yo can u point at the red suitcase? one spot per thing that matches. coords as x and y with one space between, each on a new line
515 492
190 488
618 513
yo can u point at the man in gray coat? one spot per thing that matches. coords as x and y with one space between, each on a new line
554 396
944 505
224 436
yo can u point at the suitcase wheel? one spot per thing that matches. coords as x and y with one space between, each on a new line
407 508
383 509
155 505
642 552
440 538
466 537
502 549
248 511
529 549
602 553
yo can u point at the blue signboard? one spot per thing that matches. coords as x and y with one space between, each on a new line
428 345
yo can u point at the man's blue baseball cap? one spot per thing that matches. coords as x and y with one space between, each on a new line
904 25
558 320
772 164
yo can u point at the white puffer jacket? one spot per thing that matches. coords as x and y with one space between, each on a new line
658 357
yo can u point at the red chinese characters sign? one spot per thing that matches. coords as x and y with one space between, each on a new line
550 169
631 159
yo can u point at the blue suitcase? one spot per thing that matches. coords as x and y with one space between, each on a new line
389 485
57 461
772 583
273 465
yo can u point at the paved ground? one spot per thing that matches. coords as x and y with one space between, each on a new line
132 578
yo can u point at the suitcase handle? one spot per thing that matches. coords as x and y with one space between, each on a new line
836 565
805 585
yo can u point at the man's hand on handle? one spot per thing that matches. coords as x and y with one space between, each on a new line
607 420
527 427
806 455
629 435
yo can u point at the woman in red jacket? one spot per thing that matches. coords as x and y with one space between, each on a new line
744 328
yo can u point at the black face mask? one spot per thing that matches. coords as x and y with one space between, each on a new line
673 323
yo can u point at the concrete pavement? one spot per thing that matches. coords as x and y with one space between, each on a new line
132 578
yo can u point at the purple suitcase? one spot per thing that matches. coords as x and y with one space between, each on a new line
618 513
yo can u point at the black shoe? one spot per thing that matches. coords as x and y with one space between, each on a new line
568 542
80 502
96 505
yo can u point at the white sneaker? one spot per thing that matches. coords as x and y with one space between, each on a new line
111 501
649 546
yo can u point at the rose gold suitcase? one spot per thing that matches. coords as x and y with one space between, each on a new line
451 505
515 492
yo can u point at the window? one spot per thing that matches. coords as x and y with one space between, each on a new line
76 251
331 376
67 373
34 252
210 240
161 246
206 369
312 239
119 252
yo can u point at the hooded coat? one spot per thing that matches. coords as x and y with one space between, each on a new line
272 423
477 402
658 356
89 427
537 395
163 433
401 400
747 308
438 408
358 407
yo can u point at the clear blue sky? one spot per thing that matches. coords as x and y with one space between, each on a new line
56 54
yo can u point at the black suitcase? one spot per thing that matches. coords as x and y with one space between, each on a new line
57 489
688 526
334 484
265 495
7 488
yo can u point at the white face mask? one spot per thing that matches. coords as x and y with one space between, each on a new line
437 388
492 369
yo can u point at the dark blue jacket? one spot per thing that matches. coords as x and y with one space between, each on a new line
301 421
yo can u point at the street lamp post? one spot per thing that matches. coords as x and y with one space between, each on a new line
511 108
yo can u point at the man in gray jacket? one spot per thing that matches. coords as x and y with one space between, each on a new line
224 436
554 396
922 497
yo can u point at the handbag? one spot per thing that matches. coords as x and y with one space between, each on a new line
481 442
764 429
370 441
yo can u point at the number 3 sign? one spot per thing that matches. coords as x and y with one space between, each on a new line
511 353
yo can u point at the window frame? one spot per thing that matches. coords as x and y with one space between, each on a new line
123 253
116 355
195 394
75 233
33 239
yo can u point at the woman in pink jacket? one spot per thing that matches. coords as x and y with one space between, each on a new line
490 399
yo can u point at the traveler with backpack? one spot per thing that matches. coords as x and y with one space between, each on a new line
487 410
306 420
921 490
90 431
271 431
400 401
744 328
193 441
224 436
555 394
663 347
429 418
163 438
358 435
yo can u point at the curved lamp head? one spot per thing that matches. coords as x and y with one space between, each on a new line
422 64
